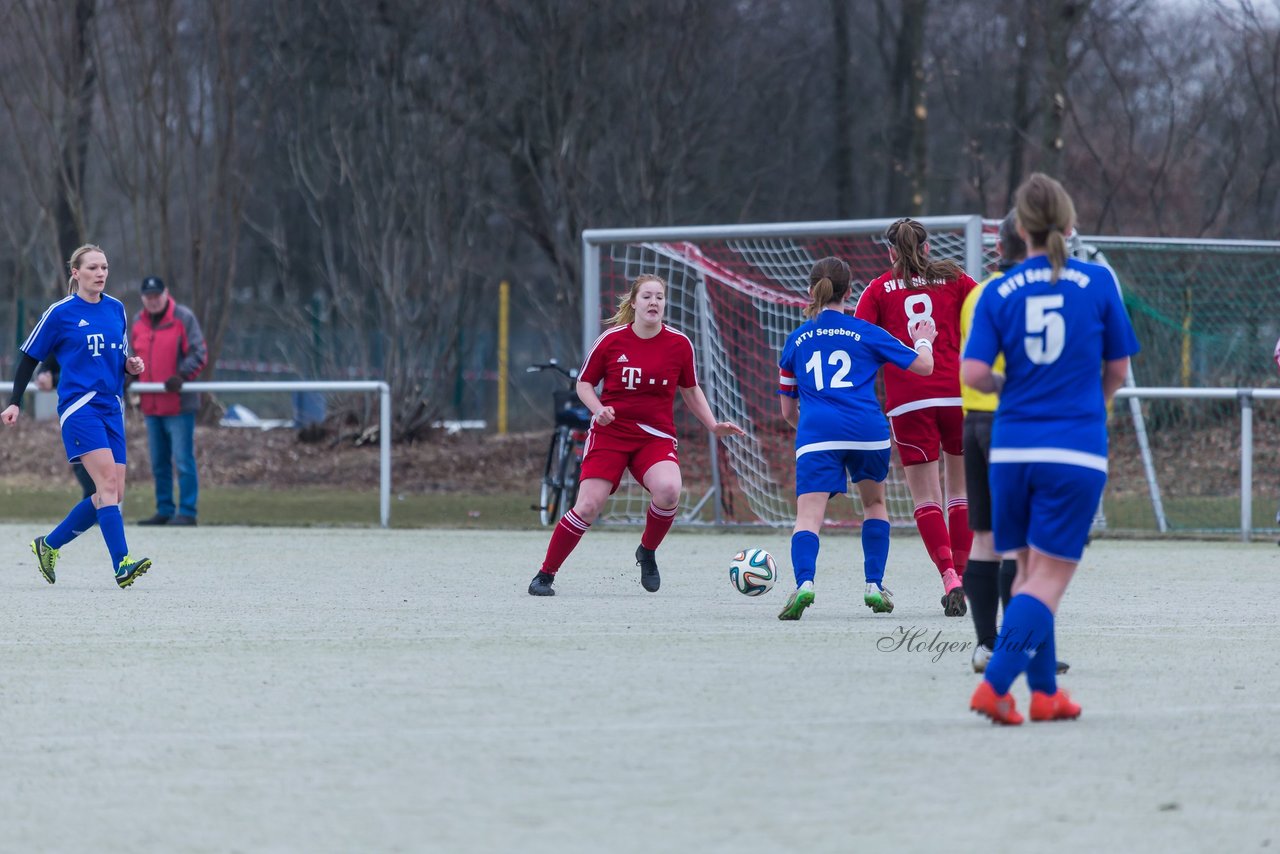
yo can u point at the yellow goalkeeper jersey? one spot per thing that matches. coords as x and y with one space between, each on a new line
976 401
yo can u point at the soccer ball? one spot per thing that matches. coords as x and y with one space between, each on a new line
753 572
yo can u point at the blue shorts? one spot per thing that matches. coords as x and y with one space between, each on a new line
831 471
1046 506
95 424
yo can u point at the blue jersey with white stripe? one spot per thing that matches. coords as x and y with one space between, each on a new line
1054 337
830 364
90 341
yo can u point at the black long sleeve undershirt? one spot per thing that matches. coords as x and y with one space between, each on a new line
21 379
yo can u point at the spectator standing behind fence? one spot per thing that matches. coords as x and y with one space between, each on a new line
168 337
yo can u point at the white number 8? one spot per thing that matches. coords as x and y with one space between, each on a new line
918 307
1043 320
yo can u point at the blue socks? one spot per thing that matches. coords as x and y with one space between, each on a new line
81 518
804 555
112 525
875 549
1027 632
875 552
1042 672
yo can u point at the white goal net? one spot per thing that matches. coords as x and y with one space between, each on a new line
738 292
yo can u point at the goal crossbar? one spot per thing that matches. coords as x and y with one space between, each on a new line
594 238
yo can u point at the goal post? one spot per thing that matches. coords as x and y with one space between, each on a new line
1207 314
738 291
382 389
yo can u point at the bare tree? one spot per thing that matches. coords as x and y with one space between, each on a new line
1058 20
392 205
628 113
1024 39
1163 93
842 61
180 76
51 84
908 143
1258 71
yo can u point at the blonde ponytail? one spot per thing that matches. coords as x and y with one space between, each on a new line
819 297
1046 213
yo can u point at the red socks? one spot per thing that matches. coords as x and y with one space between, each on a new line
961 536
564 539
933 530
656 524
570 528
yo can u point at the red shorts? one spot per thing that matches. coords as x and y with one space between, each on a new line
608 455
920 433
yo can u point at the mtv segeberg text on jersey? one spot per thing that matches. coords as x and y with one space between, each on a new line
833 331
1026 277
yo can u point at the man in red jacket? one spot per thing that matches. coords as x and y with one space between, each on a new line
168 338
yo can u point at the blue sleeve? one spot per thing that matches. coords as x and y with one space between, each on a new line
1118 337
44 338
889 349
984 340
788 354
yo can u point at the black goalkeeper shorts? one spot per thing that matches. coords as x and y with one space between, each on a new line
977 454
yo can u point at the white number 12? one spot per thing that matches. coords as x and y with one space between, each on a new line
838 359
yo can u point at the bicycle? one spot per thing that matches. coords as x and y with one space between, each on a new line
559 488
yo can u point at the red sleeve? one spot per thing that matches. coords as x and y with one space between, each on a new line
688 372
867 309
787 383
593 368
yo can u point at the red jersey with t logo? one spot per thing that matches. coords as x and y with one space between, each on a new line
640 377
892 305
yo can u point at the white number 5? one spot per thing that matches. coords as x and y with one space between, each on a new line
1046 330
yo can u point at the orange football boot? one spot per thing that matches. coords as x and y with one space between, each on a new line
1053 707
1001 709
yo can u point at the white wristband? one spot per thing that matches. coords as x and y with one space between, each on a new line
926 342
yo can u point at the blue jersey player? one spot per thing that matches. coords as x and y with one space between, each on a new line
1066 338
826 377
86 332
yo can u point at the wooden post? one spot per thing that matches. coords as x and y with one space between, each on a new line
504 352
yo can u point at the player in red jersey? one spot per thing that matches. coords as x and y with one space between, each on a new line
925 412
641 362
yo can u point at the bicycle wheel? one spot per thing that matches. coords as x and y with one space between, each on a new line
565 491
569 476
549 495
